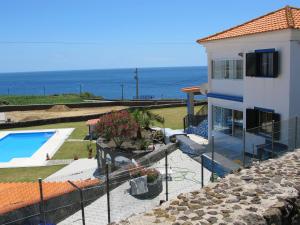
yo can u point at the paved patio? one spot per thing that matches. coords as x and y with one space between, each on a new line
186 176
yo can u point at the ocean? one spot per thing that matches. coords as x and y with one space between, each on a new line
156 82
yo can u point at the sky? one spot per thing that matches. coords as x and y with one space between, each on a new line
41 35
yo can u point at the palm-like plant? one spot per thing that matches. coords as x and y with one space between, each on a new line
145 118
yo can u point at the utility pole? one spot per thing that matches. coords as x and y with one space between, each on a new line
137 83
122 87
80 89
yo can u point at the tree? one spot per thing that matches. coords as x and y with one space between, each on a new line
145 118
117 126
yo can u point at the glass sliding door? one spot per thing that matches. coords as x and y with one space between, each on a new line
227 121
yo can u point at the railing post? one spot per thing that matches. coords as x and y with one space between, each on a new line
296 131
81 200
42 203
107 193
244 147
202 172
272 138
166 168
253 151
213 157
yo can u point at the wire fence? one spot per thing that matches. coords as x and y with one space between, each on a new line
270 140
114 192
108 194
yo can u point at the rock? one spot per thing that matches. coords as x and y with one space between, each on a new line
232 200
250 193
184 218
187 223
247 178
212 219
182 208
212 212
252 209
200 212
236 207
253 219
157 221
175 202
273 216
194 206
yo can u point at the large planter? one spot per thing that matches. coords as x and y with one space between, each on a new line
154 189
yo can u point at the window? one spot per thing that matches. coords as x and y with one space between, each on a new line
228 121
262 64
227 69
260 121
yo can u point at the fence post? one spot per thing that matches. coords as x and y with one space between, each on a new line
166 168
42 203
253 150
244 147
81 200
272 138
202 172
296 132
107 193
213 157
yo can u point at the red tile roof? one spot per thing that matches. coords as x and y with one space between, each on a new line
194 89
284 18
21 194
92 122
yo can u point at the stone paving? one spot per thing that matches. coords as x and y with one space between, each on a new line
77 170
266 194
186 174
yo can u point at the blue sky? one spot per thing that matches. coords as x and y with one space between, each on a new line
85 34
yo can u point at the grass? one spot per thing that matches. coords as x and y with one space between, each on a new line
69 149
173 116
41 99
27 173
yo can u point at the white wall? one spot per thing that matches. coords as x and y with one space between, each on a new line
271 93
295 74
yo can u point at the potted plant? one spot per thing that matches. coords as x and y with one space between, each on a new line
154 181
76 157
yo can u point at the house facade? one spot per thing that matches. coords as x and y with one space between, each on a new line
254 75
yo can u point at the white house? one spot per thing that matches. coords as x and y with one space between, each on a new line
254 75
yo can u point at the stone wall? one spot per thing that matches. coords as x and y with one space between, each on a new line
267 193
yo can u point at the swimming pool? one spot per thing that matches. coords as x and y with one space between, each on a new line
22 145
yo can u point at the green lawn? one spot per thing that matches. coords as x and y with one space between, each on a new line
173 116
41 99
69 149
27 173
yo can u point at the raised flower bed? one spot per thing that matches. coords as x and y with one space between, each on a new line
154 182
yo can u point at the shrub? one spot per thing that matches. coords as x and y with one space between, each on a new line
117 126
152 174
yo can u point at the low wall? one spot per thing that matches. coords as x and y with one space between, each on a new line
79 118
268 193
8 108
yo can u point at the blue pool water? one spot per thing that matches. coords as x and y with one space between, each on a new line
20 145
